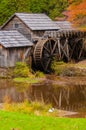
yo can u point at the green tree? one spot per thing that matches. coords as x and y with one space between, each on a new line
9 7
52 8
56 7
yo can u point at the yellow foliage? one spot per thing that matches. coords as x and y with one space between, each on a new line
77 12
36 108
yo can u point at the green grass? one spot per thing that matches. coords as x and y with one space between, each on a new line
9 120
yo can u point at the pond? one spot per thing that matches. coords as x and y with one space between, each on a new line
64 93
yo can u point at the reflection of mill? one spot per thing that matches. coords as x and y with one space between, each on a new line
67 98
63 97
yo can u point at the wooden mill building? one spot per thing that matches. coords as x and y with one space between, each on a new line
30 25
19 33
13 47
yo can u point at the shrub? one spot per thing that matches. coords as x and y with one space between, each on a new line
67 69
17 107
58 67
21 70
36 108
39 74
40 106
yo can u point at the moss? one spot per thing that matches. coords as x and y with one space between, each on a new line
26 80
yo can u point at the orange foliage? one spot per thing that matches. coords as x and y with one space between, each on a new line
77 12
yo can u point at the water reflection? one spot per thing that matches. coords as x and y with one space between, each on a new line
67 97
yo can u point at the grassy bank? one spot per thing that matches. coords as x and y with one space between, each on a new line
69 69
22 73
27 80
9 120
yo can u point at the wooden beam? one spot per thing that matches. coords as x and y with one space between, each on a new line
65 49
59 47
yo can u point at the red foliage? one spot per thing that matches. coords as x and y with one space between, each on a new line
77 12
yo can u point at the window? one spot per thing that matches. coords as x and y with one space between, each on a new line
16 25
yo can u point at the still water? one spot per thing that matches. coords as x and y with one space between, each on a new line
62 92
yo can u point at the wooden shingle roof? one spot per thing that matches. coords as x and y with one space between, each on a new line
64 25
10 39
35 21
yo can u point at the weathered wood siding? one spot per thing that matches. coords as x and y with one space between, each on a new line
8 57
22 28
3 57
38 33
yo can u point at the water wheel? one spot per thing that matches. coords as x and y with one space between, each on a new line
44 52
71 44
67 46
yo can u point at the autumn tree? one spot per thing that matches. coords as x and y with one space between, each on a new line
77 12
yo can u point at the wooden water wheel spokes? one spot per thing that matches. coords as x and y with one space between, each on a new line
76 48
64 48
44 52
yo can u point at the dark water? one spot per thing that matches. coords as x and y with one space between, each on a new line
63 93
